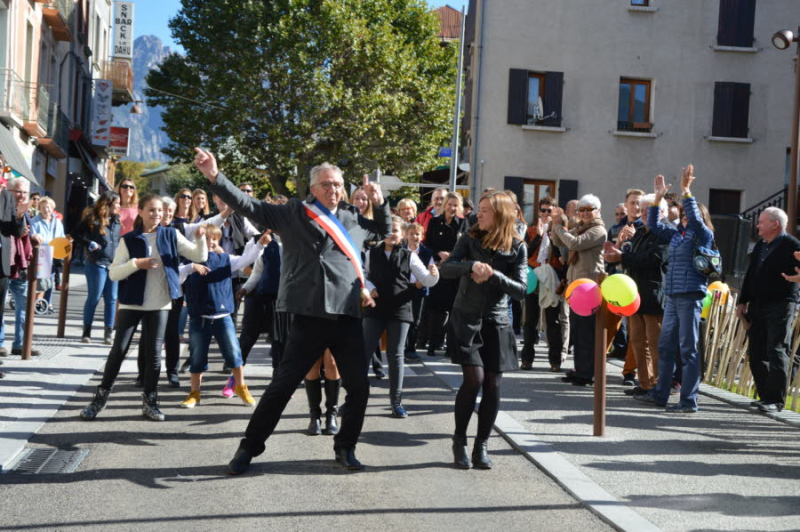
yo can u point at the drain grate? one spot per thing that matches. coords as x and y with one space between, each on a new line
48 461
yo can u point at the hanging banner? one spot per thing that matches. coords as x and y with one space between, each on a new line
123 30
45 262
101 132
118 146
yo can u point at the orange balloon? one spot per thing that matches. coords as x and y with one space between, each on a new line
61 247
629 310
574 284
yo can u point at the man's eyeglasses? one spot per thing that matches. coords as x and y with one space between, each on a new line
327 185
546 210
127 186
586 209
185 196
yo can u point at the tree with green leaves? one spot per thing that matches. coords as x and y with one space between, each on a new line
275 87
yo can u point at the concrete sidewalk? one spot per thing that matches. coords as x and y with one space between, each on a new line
724 468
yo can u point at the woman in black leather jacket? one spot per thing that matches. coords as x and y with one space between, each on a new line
491 263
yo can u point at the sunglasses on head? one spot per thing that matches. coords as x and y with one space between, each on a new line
545 210
127 186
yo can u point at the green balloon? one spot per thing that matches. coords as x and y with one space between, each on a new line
533 281
707 300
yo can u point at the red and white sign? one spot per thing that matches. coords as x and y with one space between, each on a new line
119 142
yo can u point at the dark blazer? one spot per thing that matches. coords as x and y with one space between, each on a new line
764 283
646 264
489 300
9 226
317 278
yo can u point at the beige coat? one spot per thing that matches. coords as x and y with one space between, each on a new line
588 246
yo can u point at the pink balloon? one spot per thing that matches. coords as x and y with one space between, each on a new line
585 299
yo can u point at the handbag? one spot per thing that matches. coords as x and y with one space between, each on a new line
707 261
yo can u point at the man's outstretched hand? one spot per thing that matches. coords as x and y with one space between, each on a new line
206 163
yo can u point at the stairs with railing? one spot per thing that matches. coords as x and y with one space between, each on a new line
778 199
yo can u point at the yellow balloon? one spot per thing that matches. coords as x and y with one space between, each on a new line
61 247
619 290
723 289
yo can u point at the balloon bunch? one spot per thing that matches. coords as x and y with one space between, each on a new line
716 286
584 296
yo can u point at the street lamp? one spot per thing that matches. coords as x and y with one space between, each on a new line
136 109
783 40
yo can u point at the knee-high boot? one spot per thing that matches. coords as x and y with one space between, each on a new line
332 388
314 393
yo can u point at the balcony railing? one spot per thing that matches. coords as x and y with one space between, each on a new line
37 106
121 75
58 15
57 141
12 97
639 127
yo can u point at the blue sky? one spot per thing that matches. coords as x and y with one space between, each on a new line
152 16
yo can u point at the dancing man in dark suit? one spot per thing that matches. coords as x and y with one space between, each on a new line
766 307
322 286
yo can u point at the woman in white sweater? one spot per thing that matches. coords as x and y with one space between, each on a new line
146 264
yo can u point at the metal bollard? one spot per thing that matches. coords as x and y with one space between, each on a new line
33 269
600 348
62 306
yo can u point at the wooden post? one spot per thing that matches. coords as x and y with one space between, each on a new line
600 348
62 306
33 268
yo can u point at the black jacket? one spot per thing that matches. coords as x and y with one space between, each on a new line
441 236
104 255
489 300
764 282
9 226
646 264
392 279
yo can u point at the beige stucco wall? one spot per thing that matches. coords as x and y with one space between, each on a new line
595 43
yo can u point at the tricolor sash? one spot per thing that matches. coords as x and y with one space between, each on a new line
337 231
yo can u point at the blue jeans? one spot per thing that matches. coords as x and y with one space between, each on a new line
396 332
680 333
200 332
98 284
19 291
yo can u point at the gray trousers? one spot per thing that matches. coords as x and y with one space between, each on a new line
396 332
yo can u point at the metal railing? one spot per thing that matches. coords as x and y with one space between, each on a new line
778 199
37 105
12 94
58 126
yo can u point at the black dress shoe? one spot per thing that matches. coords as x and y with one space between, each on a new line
240 463
460 453
580 381
347 457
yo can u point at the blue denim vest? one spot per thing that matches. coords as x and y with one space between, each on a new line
211 294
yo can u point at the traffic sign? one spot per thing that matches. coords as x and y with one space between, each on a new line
445 152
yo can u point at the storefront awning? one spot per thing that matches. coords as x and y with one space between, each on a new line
14 157
87 158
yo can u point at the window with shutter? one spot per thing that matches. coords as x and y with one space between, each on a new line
536 88
525 90
736 23
731 110
553 97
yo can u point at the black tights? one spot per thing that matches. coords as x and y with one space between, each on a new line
474 380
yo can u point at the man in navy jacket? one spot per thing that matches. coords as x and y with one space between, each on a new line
767 306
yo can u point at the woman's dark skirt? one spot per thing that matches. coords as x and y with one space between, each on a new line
480 342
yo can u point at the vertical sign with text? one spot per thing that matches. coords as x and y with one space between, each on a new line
123 30
119 142
101 130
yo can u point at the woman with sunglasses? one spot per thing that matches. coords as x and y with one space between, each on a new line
585 244
128 205
183 206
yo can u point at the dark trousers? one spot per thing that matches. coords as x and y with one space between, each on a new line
583 328
258 319
3 294
555 338
154 322
516 316
308 339
770 335
533 314
437 326
413 329
172 340
620 343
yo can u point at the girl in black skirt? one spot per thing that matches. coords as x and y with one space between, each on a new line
491 262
